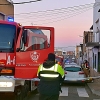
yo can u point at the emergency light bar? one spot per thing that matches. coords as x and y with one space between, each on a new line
10 19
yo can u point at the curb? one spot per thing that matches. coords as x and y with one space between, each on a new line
93 91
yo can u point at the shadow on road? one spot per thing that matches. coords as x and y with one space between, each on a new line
74 84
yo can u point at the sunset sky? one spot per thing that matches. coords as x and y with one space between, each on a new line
72 18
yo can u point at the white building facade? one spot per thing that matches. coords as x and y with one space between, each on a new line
78 55
96 34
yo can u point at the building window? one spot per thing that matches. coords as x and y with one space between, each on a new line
95 61
2 16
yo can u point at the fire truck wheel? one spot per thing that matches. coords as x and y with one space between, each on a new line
22 92
19 94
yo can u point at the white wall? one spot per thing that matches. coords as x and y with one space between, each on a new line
79 59
96 16
96 29
90 57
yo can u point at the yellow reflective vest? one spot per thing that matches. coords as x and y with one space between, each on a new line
56 68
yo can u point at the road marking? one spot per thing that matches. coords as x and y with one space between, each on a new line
82 92
96 99
64 91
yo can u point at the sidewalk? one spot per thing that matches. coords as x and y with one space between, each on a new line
95 86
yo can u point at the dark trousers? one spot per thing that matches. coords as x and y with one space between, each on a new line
48 97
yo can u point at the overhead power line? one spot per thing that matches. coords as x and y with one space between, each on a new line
67 12
52 20
66 17
52 10
53 13
21 2
59 11
55 18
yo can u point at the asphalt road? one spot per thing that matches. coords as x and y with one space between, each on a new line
71 92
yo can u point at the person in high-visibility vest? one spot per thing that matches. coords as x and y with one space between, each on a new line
51 76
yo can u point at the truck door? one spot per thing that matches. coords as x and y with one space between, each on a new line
33 50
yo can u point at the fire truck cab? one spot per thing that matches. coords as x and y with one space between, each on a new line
22 50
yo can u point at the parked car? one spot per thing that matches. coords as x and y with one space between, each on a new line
73 63
74 73
70 64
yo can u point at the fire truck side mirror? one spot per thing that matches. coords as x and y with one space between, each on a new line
18 49
25 36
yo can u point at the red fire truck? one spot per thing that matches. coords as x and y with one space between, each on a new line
22 50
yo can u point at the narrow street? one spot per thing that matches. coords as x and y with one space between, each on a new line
51 41
72 92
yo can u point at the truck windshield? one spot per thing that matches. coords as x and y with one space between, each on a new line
7 36
38 39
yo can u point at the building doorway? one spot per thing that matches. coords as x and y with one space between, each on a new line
98 61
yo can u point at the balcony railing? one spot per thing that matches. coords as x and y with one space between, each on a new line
89 38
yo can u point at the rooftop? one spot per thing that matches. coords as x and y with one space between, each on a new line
10 1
